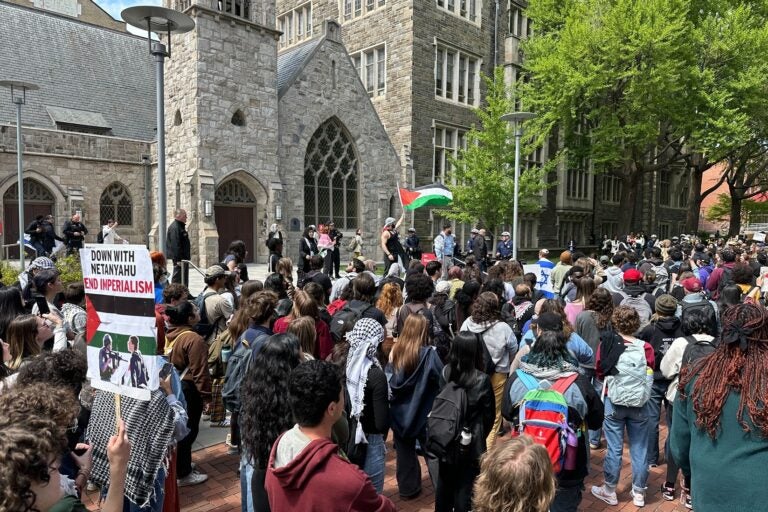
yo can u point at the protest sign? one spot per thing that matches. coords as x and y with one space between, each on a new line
543 282
758 237
120 330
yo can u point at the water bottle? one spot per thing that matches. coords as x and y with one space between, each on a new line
571 450
464 441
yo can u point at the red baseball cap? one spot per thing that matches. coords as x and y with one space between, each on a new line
691 284
632 275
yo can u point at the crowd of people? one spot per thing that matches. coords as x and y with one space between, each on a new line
504 389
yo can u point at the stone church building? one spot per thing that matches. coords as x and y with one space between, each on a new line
252 138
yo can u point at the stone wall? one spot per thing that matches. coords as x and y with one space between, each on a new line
307 104
224 65
76 168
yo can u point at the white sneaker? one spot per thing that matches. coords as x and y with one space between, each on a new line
194 478
638 497
603 493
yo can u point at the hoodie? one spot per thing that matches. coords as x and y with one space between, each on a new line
614 281
188 352
309 475
660 335
412 395
498 337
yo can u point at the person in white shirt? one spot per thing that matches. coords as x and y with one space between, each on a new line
109 233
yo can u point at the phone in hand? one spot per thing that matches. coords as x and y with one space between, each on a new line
42 305
165 371
79 451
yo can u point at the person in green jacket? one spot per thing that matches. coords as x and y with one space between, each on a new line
719 425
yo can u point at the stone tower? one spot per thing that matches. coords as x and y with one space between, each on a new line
221 124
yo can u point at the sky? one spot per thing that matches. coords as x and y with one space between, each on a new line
115 7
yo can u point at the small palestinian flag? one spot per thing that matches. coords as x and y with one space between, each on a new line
428 195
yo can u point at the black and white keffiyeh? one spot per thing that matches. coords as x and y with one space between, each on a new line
364 340
149 426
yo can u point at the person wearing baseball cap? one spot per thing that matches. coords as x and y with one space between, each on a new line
390 244
695 300
634 288
212 304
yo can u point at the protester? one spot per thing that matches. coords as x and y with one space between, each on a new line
234 260
498 341
11 306
414 384
26 335
389 302
265 414
304 305
305 471
515 475
455 480
444 246
109 233
390 243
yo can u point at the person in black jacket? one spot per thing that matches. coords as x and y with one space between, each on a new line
454 481
178 247
36 232
74 233
336 236
550 360
663 330
307 249
480 250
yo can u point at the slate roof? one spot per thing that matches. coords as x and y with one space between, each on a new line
292 61
78 67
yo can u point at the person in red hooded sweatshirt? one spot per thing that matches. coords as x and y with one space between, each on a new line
305 471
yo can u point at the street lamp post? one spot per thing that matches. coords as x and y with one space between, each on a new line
163 20
19 97
517 119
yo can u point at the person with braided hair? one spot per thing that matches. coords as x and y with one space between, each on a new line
720 423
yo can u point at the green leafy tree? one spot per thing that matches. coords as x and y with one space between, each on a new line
482 176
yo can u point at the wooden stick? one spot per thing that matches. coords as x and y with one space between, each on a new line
117 412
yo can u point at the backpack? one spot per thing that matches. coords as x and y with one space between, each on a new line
445 316
631 386
445 422
100 237
639 304
215 364
704 306
489 367
237 367
726 279
345 315
406 310
695 350
544 417
661 275
204 327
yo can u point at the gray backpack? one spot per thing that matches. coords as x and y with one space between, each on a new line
640 305
631 386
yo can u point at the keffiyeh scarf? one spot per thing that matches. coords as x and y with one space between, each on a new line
149 426
364 340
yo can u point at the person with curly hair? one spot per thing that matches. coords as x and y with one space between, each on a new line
625 403
498 343
515 476
720 423
390 299
305 470
265 414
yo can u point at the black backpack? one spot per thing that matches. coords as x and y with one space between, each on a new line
345 315
445 422
237 367
489 367
695 350
100 237
726 279
204 327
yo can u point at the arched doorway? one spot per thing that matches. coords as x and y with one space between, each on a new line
38 200
235 209
331 177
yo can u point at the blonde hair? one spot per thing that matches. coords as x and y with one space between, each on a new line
285 268
304 305
405 353
391 297
515 476
22 340
304 329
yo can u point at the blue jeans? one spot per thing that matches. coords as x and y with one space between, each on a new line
155 504
246 474
635 420
375 456
658 392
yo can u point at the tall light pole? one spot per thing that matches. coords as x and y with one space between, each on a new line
162 20
516 118
19 97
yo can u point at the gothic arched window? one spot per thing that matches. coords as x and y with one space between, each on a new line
331 174
115 203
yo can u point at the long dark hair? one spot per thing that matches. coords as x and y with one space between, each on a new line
266 412
465 357
11 306
237 249
550 351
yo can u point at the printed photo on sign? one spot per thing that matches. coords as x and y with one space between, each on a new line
120 329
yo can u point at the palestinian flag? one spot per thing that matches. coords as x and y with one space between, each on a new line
429 195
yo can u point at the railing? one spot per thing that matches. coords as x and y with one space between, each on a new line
6 247
188 264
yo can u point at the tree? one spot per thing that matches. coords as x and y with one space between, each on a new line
652 83
481 177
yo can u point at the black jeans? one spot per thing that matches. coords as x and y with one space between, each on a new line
194 411
408 469
454 487
567 498
336 261
177 273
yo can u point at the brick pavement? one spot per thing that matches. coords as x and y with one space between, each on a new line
221 493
